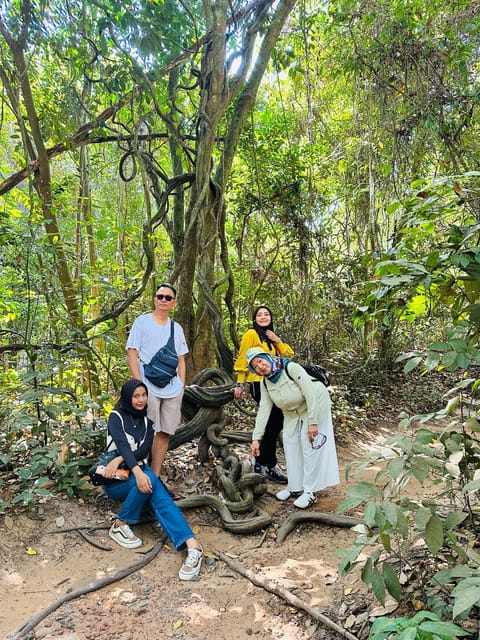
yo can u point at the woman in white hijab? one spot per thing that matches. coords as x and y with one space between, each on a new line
308 439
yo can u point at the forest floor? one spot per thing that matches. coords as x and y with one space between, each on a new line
43 558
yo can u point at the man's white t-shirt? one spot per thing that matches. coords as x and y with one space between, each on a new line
147 337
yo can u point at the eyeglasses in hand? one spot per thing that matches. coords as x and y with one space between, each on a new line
319 440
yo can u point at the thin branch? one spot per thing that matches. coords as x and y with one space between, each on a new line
104 581
273 587
81 136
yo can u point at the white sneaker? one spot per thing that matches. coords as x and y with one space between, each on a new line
124 536
286 494
305 500
191 567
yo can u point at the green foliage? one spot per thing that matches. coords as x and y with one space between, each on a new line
45 438
446 456
423 626
332 217
431 270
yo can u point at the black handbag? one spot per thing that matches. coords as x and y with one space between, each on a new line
103 459
163 366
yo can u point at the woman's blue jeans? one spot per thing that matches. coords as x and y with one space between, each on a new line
166 511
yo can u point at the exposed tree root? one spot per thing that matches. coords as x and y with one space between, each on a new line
272 587
247 525
22 631
322 518
93 541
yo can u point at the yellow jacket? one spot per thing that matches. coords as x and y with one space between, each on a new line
252 339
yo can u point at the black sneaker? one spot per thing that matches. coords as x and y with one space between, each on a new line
257 467
272 473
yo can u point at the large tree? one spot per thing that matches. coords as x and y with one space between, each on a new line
165 89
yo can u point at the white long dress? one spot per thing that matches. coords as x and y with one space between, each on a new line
303 401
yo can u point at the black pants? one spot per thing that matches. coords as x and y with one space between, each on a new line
268 444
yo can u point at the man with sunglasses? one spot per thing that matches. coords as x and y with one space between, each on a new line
148 334
308 440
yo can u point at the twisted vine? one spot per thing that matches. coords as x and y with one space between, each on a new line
202 406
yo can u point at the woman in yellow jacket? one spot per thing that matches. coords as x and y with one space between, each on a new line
262 335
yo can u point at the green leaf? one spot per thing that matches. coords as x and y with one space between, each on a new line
378 585
411 364
365 491
443 629
454 519
348 560
473 424
382 627
420 468
447 576
402 524
422 517
396 466
439 346
474 485
369 513
425 436
466 595
347 504
434 534
392 582
452 405
386 540
450 360
410 633
390 510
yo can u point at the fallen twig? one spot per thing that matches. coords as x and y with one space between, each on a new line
259 544
82 527
314 516
22 631
273 587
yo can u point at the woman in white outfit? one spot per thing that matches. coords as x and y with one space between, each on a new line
308 439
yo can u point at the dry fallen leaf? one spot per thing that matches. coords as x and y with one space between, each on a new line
389 606
350 621
30 551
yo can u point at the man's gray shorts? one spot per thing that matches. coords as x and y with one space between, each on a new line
166 413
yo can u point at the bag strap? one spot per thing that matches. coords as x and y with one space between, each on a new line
109 437
286 370
172 334
145 422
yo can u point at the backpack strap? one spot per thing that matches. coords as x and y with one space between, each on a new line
286 370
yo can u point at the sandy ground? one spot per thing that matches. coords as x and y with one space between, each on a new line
41 562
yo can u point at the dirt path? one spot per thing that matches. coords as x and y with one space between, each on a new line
40 564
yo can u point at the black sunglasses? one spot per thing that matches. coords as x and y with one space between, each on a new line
161 296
